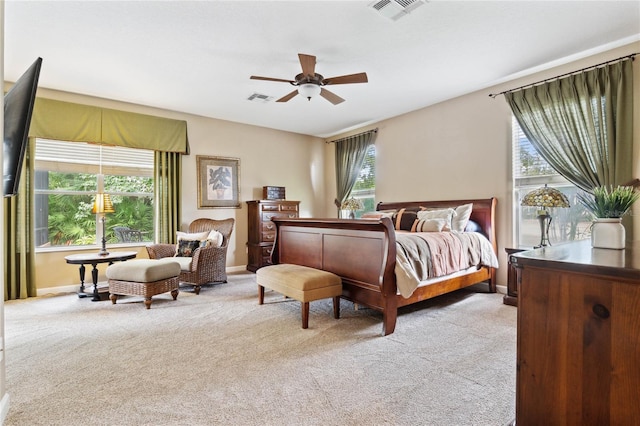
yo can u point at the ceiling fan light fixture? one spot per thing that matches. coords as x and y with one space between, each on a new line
309 90
311 84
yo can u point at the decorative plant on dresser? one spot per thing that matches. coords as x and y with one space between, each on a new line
608 205
262 231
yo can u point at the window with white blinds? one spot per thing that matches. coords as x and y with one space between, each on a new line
365 186
529 168
66 181
531 171
86 158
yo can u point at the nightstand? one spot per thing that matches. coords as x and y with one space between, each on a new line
511 298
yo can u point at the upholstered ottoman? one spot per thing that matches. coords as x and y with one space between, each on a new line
301 283
143 277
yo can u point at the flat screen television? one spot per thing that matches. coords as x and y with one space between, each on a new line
18 107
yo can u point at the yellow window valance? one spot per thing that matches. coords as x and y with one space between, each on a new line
68 121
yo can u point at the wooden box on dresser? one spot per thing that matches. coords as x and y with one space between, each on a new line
262 231
578 340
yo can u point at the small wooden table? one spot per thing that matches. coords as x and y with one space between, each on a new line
93 259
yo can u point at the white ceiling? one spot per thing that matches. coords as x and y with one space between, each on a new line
197 57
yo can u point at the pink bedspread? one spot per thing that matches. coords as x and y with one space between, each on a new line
425 255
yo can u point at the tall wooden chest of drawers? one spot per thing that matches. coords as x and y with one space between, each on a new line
262 231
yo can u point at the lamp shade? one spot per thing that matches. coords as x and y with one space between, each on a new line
309 90
352 204
102 204
545 197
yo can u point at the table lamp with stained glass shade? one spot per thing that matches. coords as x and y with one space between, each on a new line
543 198
352 204
102 205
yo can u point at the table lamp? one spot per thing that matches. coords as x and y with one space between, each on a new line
544 198
103 205
352 204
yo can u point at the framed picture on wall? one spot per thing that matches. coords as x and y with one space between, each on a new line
218 184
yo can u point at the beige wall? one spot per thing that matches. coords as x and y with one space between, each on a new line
4 396
267 157
456 149
461 149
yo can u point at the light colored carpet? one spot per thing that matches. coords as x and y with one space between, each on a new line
221 359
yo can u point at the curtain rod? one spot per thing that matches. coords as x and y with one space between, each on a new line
632 56
358 134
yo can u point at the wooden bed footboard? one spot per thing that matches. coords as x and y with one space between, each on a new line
363 253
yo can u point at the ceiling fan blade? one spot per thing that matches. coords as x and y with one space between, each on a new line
308 63
287 97
331 97
255 77
347 79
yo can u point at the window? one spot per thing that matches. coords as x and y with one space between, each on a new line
531 171
365 187
66 175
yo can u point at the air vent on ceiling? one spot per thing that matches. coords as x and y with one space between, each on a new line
258 97
396 9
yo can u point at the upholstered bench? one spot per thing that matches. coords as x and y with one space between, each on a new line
301 283
143 277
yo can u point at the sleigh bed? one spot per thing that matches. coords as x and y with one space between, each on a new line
365 254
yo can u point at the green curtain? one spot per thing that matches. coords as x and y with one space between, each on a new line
133 130
582 125
67 121
350 154
19 256
168 184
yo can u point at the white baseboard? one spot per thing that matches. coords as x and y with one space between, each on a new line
4 407
74 288
241 268
501 289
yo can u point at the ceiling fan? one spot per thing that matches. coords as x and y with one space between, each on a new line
310 84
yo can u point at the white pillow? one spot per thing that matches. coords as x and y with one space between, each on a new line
446 214
459 221
192 236
430 225
378 214
215 238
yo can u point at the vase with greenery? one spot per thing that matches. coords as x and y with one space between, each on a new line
608 204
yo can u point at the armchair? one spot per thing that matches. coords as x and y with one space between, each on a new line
208 264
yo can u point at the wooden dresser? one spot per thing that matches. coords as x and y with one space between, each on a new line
262 231
578 348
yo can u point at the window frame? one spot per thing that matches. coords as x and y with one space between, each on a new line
91 160
367 193
522 184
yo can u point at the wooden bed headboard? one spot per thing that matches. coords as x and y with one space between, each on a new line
483 212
